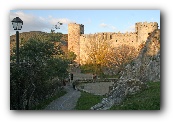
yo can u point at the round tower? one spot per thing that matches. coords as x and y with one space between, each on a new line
143 30
74 32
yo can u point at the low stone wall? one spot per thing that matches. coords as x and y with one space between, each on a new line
95 80
98 88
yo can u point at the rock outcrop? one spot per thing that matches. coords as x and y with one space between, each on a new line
145 68
119 92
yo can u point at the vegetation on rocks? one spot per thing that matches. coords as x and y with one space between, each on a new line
148 99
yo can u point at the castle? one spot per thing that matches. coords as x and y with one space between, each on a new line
77 40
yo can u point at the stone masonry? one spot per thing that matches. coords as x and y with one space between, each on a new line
77 40
74 33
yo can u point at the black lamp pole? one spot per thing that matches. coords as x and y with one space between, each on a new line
17 46
17 25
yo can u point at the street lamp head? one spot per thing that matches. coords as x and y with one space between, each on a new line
17 23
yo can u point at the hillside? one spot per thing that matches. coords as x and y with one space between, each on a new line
25 36
30 34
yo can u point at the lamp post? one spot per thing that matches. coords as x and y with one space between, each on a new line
17 25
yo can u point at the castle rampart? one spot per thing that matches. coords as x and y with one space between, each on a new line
78 41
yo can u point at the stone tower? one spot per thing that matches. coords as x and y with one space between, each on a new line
143 29
74 32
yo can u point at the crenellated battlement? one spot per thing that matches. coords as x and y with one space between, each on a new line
109 35
145 24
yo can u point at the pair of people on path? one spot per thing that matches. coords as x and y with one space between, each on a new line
71 80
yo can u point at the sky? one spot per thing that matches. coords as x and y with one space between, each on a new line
93 20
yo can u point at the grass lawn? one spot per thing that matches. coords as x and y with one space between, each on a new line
87 100
46 102
148 99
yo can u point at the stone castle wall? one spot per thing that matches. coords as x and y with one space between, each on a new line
115 40
77 40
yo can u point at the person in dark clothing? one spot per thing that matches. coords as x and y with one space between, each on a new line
71 76
94 76
73 86
64 84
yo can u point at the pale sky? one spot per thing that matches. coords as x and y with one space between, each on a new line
93 20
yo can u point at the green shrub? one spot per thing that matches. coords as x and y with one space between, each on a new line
87 68
30 80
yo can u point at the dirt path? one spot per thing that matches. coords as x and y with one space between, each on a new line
66 102
69 100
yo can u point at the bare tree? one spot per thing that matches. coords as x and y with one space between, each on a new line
96 51
102 54
120 56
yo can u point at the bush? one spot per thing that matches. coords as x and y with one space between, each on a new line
87 68
30 80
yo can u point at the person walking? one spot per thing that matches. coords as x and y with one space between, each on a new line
74 87
71 76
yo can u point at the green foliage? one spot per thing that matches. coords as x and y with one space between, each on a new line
57 67
20 82
110 76
91 68
70 56
55 37
148 99
87 68
87 100
40 62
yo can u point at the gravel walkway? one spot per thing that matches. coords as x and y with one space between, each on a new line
66 102
99 88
